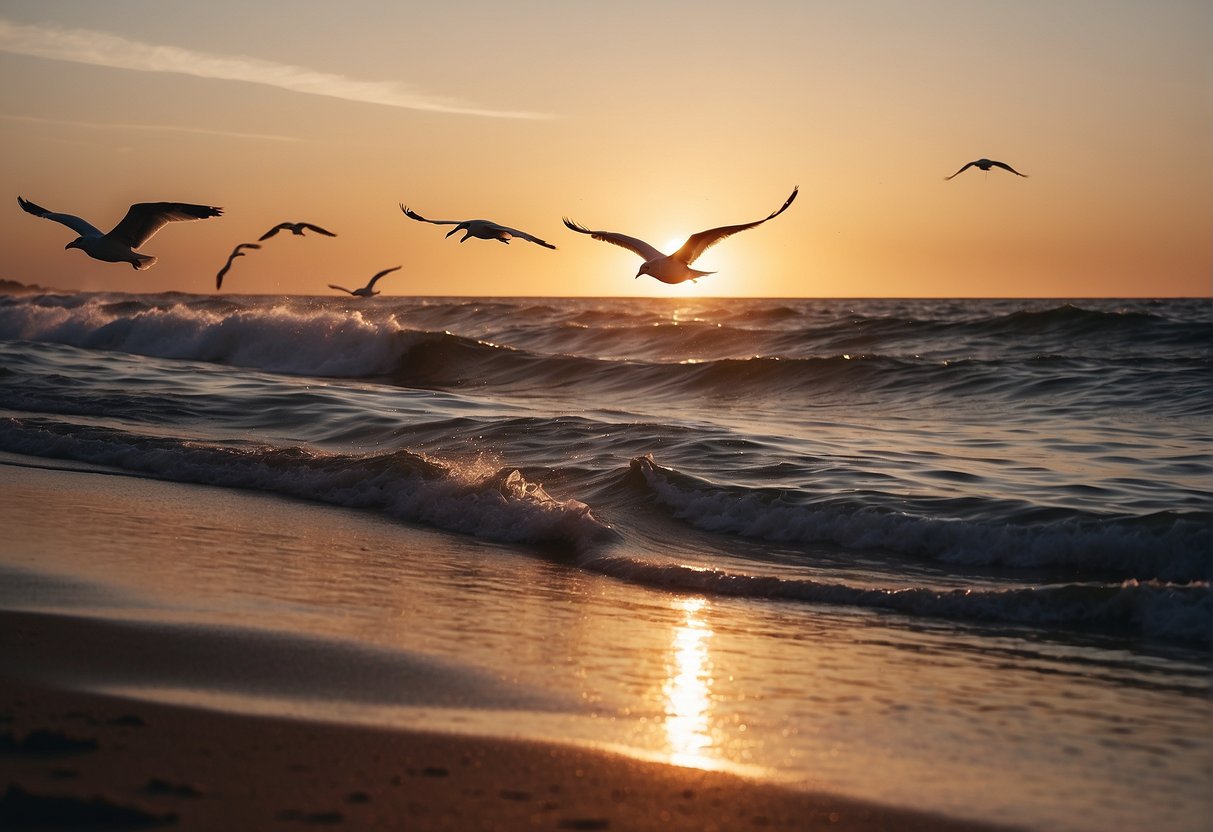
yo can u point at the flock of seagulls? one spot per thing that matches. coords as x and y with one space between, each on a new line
144 219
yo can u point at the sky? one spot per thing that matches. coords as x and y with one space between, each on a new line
652 119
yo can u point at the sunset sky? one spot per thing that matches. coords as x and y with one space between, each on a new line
648 118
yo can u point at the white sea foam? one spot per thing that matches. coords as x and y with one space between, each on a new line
284 338
502 505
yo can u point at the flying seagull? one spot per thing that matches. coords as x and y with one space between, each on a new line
986 164
142 220
676 267
238 251
369 289
296 228
480 229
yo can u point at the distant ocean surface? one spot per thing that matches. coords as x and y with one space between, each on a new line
1038 468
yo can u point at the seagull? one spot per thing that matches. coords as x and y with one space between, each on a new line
480 229
369 289
142 220
986 164
676 267
238 251
296 228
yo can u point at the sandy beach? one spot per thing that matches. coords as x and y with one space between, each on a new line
78 760
74 757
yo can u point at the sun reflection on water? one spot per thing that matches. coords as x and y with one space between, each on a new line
688 689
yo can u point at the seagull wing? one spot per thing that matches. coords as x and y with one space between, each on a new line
697 244
522 235
317 229
76 224
1005 166
413 215
226 266
274 231
342 288
646 251
238 251
962 170
371 283
144 219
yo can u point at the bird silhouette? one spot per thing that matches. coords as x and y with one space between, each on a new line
296 228
986 164
369 289
676 267
142 221
480 229
238 251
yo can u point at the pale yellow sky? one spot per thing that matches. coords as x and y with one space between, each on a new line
654 120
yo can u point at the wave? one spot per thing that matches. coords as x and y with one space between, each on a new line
1168 546
1174 613
285 338
1175 388
621 351
494 504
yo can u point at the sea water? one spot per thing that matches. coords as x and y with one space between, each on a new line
936 552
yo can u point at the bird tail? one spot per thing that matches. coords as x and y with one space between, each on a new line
143 261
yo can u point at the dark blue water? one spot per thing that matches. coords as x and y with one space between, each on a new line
1036 464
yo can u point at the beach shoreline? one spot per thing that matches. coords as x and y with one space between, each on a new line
74 753
79 750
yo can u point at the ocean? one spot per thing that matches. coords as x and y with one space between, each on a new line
941 553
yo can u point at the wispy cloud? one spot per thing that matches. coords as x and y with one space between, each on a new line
150 128
85 46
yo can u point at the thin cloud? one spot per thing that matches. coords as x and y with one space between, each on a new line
85 46
167 128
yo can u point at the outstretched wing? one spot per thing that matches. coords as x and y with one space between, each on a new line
274 231
962 170
697 244
413 215
317 229
76 224
226 266
522 235
146 218
371 283
1005 166
238 251
342 288
646 251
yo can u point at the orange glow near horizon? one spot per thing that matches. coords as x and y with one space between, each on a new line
862 107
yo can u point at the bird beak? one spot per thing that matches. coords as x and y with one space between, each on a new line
452 231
